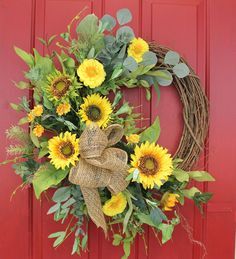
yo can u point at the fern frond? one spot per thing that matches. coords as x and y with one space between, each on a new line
18 134
15 150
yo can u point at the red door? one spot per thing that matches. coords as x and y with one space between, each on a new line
203 31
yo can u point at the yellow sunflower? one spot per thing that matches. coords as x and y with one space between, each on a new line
115 205
61 87
153 163
38 130
63 150
169 200
91 72
96 109
63 108
137 48
37 110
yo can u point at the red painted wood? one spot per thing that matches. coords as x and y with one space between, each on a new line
204 33
15 29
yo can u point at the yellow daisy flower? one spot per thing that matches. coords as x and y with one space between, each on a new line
96 109
30 117
115 205
38 130
133 138
60 87
63 108
169 200
137 48
91 72
63 150
154 164
37 110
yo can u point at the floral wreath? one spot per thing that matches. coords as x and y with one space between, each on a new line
83 138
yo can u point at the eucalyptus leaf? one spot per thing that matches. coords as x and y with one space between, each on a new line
130 64
61 194
125 34
171 58
54 208
163 77
157 216
124 16
149 58
109 22
181 70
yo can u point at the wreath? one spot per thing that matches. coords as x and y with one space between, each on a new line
83 140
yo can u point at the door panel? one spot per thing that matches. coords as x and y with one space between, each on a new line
204 33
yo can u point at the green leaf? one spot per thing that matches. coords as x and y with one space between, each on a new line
65 36
34 138
171 58
23 120
129 212
15 107
152 133
116 73
54 208
181 70
44 149
60 237
149 58
75 245
46 176
145 219
163 77
124 16
116 239
189 193
148 94
126 247
84 242
61 194
109 22
125 34
68 203
51 39
88 25
26 57
181 175
157 216
201 176
130 64
22 85
167 230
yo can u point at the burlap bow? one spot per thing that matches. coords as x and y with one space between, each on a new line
99 166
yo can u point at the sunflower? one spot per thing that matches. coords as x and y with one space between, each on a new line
91 72
63 150
96 109
153 163
63 108
115 205
137 49
37 110
169 200
60 87
38 130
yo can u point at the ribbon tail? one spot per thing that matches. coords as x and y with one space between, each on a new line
94 206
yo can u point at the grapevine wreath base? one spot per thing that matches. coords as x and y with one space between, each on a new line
83 140
195 111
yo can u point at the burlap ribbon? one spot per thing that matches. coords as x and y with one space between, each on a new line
99 166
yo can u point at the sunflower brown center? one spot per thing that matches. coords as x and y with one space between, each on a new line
67 149
60 87
148 165
94 113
